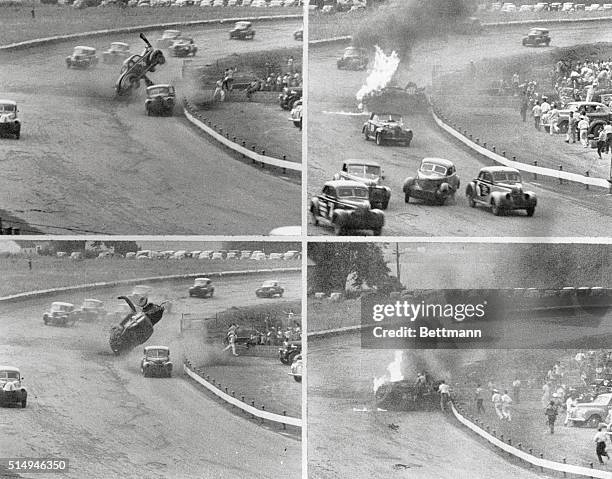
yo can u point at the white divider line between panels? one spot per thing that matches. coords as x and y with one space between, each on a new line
241 149
585 180
291 421
536 461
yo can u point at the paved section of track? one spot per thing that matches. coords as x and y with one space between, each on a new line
98 411
89 161
424 444
335 136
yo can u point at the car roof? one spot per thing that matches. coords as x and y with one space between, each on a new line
243 24
149 348
203 279
172 31
493 169
9 368
85 48
92 299
8 102
336 183
120 43
354 161
159 85
440 161
60 303
388 112
543 30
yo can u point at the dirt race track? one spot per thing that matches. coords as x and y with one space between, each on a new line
335 136
98 411
90 163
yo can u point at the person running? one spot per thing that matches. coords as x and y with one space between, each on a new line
600 444
444 390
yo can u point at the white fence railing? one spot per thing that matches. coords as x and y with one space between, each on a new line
288 420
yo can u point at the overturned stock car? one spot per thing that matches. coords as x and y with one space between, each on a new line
408 395
397 99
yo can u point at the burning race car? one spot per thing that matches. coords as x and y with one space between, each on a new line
136 67
393 98
408 395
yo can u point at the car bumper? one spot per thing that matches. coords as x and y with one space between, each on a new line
518 203
160 105
9 127
364 221
8 398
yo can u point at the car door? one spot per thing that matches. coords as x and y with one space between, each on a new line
372 125
484 185
326 203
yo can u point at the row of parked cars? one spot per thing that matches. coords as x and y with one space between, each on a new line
508 7
208 3
214 255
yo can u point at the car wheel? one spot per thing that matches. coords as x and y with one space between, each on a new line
562 127
530 211
315 220
45 320
148 112
407 143
211 294
17 134
406 197
24 403
339 230
377 231
384 205
365 134
379 139
297 379
496 209
593 421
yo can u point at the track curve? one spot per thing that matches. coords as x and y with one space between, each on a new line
99 412
90 163
334 137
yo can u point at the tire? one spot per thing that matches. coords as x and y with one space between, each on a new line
407 143
562 127
292 356
530 211
406 197
379 139
298 379
339 230
148 112
496 210
17 134
384 205
593 421
470 198
365 134
315 220
45 320
24 403
377 231
280 295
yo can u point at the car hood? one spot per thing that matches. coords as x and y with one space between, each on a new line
429 175
511 186
356 203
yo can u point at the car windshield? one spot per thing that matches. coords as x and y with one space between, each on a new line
170 34
352 191
182 40
162 90
601 400
7 108
538 32
269 284
352 52
433 167
91 304
4 375
506 177
242 26
60 307
390 117
82 51
201 282
366 171
157 353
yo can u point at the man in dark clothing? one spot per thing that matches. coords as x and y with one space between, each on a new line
551 413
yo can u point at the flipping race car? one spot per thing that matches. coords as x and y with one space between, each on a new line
136 67
137 327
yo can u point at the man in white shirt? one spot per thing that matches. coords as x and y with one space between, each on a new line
496 399
506 401
583 128
444 390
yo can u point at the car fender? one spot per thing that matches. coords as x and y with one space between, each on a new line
341 217
444 188
499 197
407 183
470 189
379 215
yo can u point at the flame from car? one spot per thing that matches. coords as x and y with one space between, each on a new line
393 373
382 72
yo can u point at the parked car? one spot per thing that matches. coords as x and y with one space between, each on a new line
202 288
537 37
597 113
296 114
10 125
156 362
183 47
269 289
242 31
387 127
296 368
168 36
117 53
591 413
501 189
292 254
289 96
436 180
160 100
91 310
353 58
289 350
370 174
82 57
299 35
345 206
15 394
60 314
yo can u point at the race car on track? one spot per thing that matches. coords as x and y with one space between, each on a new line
408 395
501 189
168 36
82 57
242 31
91 310
353 58
12 391
296 114
183 47
117 53
202 288
269 289
436 180
387 127
537 37
345 206
136 67
10 125
296 368
156 362
370 174
289 350
289 96
160 100
61 314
